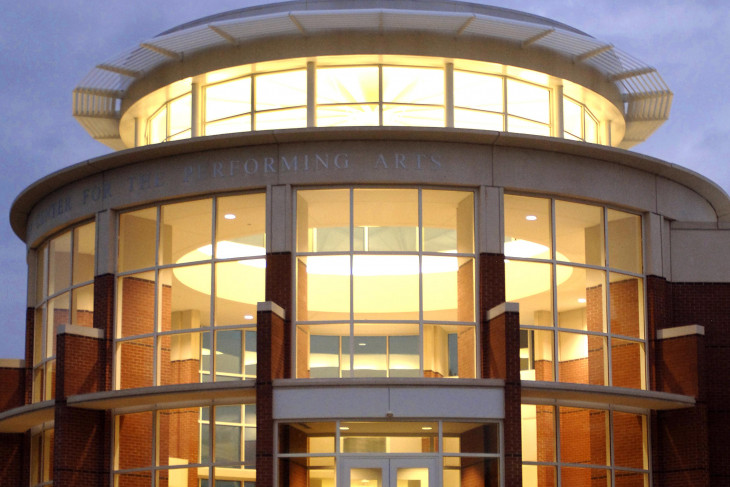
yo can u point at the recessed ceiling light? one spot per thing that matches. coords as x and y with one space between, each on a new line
344 428
229 216
249 317
426 428
531 218
581 300
362 344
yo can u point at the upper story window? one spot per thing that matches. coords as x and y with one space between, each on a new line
576 270
578 122
354 91
64 295
172 121
189 276
385 283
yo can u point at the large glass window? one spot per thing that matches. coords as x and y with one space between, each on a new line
578 122
64 295
172 121
576 271
41 456
189 277
579 446
458 453
385 283
192 447
275 96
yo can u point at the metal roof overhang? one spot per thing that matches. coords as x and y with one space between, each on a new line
97 98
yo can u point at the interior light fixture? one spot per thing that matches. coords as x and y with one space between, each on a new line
229 216
362 344
581 300
531 218
426 428
344 428
248 317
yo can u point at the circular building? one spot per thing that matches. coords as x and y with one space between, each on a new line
371 243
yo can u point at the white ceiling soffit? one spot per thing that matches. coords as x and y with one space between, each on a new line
646 96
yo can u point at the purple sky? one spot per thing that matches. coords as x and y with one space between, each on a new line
47 47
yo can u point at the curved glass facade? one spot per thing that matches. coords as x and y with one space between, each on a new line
576 271
453 454
189 277
385 283
193 446
582 446
341 93
64 295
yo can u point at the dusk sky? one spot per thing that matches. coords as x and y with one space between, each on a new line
47 47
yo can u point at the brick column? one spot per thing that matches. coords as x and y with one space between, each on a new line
500 344
708 305
104 320
683 439
82 437
689 333
271 351
279 291
491 282
14 466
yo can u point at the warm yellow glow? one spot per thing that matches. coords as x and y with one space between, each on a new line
281 90
379 265
526 279
230 283
228 99
348 85
369 91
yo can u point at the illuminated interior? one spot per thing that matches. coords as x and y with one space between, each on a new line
583 446
576 272
190 276
193 446
64 295
390 291
461 453
374 91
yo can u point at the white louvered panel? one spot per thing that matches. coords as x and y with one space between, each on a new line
513 31
100 128
338 20
421 21
260 27
569 43
610 62
189 41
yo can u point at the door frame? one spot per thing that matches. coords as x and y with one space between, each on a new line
389 465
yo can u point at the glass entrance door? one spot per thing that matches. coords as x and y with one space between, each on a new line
388 472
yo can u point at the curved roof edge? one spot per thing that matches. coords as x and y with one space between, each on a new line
440 5
30 196
97 99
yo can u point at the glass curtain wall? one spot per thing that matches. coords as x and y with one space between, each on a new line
578 122
573 446
41 455
576 271
188 279
315 454
172 121
209 446
385 283
64 295
372 95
